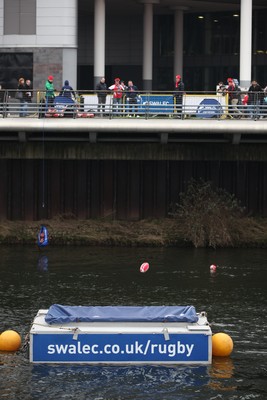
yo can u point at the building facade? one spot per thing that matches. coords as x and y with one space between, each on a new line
147 41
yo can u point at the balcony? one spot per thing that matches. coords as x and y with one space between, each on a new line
154 117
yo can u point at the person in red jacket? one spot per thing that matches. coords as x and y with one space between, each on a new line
178 96
117 90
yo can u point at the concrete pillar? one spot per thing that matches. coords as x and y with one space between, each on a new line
99 40
245 43
148 43
69 70
208 34
178 40
69 54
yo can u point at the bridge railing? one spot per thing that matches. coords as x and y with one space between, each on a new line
87 104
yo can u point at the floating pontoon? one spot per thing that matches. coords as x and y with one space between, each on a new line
120 335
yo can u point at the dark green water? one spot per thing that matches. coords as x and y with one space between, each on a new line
234 297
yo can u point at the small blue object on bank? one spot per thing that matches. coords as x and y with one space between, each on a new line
42 237
121 335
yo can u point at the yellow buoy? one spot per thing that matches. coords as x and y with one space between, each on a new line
10 341
222 345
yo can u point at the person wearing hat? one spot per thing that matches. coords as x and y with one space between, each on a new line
117 90
67 90
49 91
178 95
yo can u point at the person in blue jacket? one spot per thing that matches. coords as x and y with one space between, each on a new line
131 97
67 90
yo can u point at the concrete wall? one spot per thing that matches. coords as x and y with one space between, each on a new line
119 189
54 46
56 26
46 61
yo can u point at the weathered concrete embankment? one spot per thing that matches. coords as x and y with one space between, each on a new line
100 232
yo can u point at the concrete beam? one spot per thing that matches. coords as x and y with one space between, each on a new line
164 138
22 136
92 137
236 138
121 126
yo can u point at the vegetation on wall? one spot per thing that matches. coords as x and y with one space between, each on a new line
211 217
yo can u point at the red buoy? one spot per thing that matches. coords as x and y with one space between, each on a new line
144 267
213 267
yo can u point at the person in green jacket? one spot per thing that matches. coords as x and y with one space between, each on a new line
49 91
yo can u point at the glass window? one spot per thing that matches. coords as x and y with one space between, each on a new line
14 66
19 17
260 32
225 33
194 34
165 35
211 33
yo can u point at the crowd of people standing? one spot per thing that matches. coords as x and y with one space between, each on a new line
24 95
120 92
130 95
251 103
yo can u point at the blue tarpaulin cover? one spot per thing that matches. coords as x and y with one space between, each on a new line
59 314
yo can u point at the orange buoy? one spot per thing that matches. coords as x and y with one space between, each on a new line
10 341
222 345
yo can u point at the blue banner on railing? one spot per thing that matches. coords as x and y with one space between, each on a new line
209 108
156 104
121 348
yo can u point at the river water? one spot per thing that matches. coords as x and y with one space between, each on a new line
234 298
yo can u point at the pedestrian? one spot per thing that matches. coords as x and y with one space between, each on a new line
178 95
131 98
234 98
101 91
123 96
117 90
49 91
29 93
255 95
21 96
221 89
2 99
244 101
264 103
29 90
67 90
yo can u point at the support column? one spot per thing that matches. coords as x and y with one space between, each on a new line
178 40
208 33
69 54
69 70
148 43
99 40
245 43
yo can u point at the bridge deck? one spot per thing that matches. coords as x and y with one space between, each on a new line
162 130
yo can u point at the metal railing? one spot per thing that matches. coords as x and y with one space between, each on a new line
86 104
